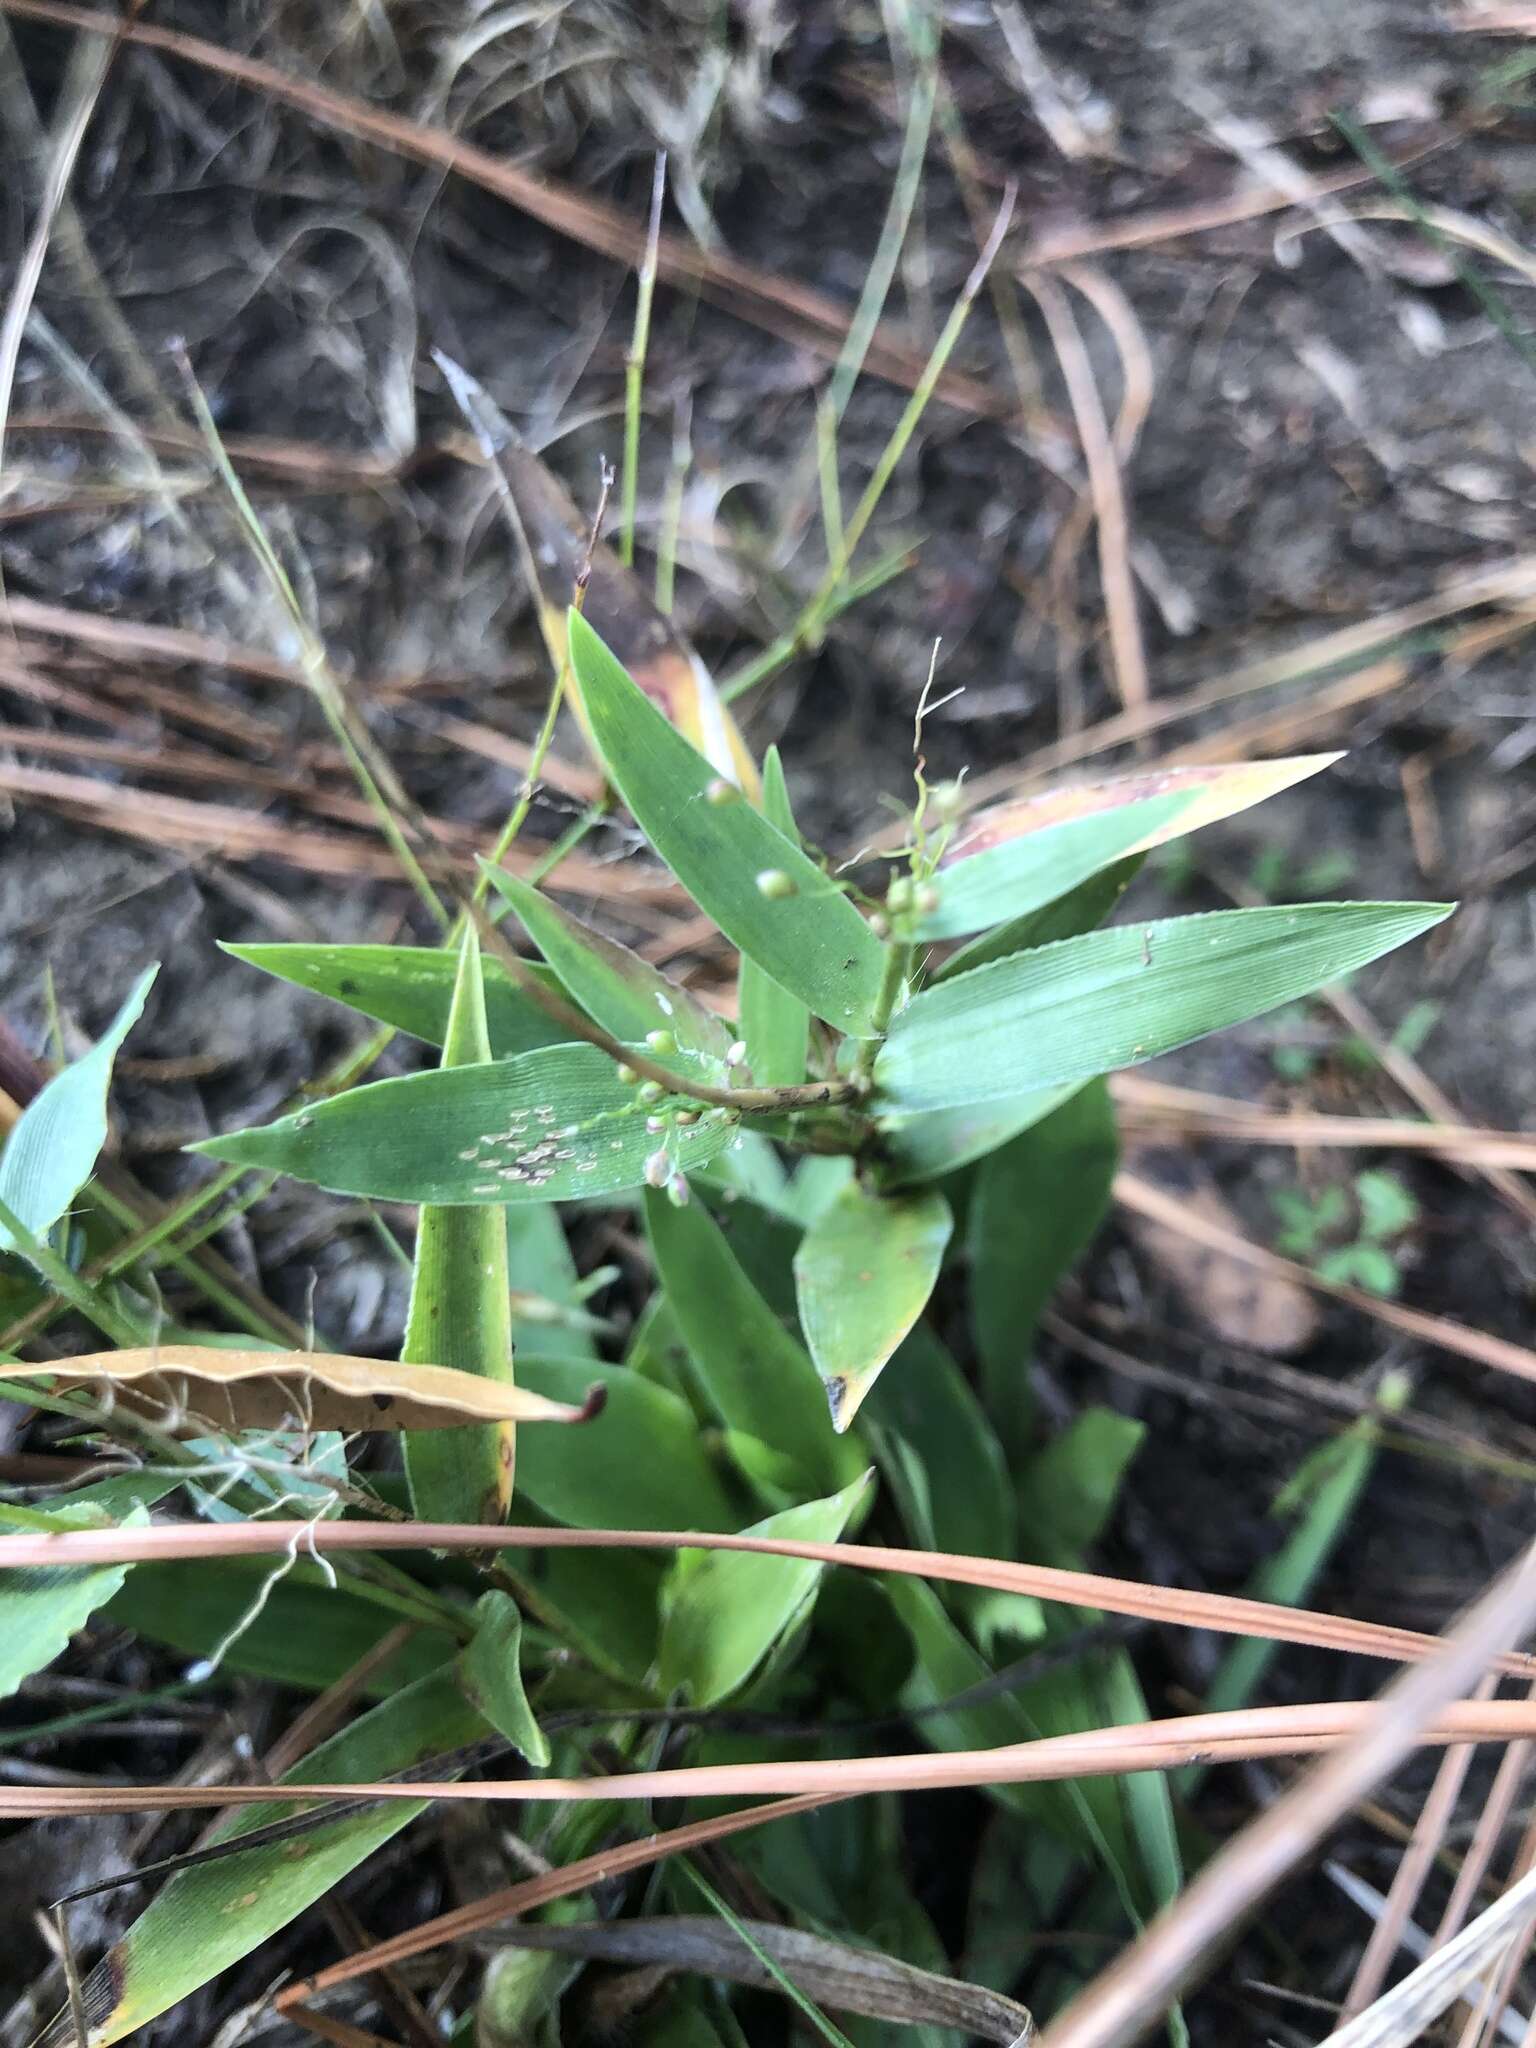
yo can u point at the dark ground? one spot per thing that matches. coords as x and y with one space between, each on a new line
1336 427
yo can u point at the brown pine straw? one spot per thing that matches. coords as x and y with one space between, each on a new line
1408 1880
1127 2000
1155 1109
1106 490
1441 1331
1222 1613
1205 1740
541 1891
767 300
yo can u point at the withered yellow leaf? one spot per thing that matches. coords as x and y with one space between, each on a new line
185 1388
1214 792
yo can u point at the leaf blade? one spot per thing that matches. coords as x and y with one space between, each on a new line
863 1275
53 1146
552 1125
810 939
460 1311
774 1023
411 988
723 1620
1113 998
616 988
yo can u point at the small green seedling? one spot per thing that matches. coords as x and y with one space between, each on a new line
1352 1237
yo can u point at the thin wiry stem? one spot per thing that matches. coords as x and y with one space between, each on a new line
634 368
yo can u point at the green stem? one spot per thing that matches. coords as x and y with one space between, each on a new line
898 964
906 426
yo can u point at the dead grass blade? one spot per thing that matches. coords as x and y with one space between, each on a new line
1512 582
773 303
1409 2010
87 74
1155 1109
1408 1880
1205 1740
181 1387
855 1980
1145 229
1440 1331
1225 1614
1125 2002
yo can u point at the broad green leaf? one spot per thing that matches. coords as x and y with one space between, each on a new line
303 1633
774 1023
206 1918
54 1144
641 1465
1016 857
490 1672
1085 1814
1114 998
1068 1490
540 1266
924 1398
42 1606
863 1275
1037 1203
1080 910
625 994
553 1125
607 1604
1011 877
934 1142
727 1609
411 988
807 936
460 1312
754 1371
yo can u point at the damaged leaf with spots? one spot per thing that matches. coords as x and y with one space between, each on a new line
557 1125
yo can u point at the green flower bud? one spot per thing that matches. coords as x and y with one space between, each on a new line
650 1091
927 899
721 792
776 885
661 1041
898 896
628 1076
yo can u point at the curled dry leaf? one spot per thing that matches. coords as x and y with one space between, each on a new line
1262 1311
187 1387
848 1979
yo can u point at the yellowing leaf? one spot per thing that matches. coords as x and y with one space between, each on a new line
192 1386
1213 792
556 546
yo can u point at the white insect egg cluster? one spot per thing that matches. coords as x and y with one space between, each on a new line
515 1161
